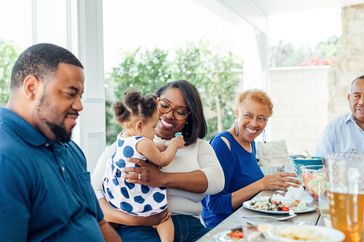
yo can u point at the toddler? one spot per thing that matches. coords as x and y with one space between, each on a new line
138 117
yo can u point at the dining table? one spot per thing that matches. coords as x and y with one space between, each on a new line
243 217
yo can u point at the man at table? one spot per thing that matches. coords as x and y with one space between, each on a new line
346 133
45 192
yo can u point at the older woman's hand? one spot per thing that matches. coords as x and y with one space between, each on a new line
280 181
147 174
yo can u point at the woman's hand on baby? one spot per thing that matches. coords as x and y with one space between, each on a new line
178 142
280 181
150 175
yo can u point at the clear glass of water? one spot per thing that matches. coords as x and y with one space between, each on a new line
289 167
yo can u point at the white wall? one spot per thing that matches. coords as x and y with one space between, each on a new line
300 98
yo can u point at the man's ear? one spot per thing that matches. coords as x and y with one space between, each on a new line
31 85
139 126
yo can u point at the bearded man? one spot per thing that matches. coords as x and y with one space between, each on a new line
45 191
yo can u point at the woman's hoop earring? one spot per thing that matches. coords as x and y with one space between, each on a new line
236 128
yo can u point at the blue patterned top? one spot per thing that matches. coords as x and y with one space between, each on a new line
135 199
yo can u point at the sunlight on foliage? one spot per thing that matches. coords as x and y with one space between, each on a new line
9 53
215 73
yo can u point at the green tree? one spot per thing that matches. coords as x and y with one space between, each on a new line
286 54
328 49
215 73
144 70
8 53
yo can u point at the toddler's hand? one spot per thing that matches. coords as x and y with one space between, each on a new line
178 142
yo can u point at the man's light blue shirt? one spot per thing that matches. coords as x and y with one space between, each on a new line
341 135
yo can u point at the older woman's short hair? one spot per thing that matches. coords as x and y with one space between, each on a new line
256 95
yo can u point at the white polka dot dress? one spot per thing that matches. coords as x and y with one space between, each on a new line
134 199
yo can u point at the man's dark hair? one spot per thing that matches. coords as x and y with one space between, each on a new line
195 126
354 81
40 60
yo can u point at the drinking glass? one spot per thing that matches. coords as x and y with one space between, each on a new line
289 167
346 194
323 200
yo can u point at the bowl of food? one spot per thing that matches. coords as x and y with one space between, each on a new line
296 233
300 161
312 175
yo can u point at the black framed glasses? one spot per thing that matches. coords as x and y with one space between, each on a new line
179 113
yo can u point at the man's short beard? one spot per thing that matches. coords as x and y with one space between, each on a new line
59 132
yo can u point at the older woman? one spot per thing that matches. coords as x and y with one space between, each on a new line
235 149
193 173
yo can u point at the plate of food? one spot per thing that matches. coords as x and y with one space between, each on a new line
296 233
272 205
232 235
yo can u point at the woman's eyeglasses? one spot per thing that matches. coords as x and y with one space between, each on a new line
179 113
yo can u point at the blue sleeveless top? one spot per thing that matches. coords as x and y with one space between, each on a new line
240 169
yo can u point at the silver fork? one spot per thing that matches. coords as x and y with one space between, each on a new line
273 218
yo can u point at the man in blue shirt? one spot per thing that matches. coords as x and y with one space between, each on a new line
346 133
45 187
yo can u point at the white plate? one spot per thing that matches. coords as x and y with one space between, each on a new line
307 233
246 205
222 237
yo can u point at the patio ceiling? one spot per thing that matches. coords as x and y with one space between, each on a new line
256 12
272 7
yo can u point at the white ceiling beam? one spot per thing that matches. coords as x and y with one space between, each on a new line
251 12
238 12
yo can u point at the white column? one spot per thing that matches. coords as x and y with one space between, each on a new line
255 61
48 25
90 51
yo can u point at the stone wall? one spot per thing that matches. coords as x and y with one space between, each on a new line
349 63
300 98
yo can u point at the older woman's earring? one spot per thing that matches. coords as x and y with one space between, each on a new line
236 128
264 136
